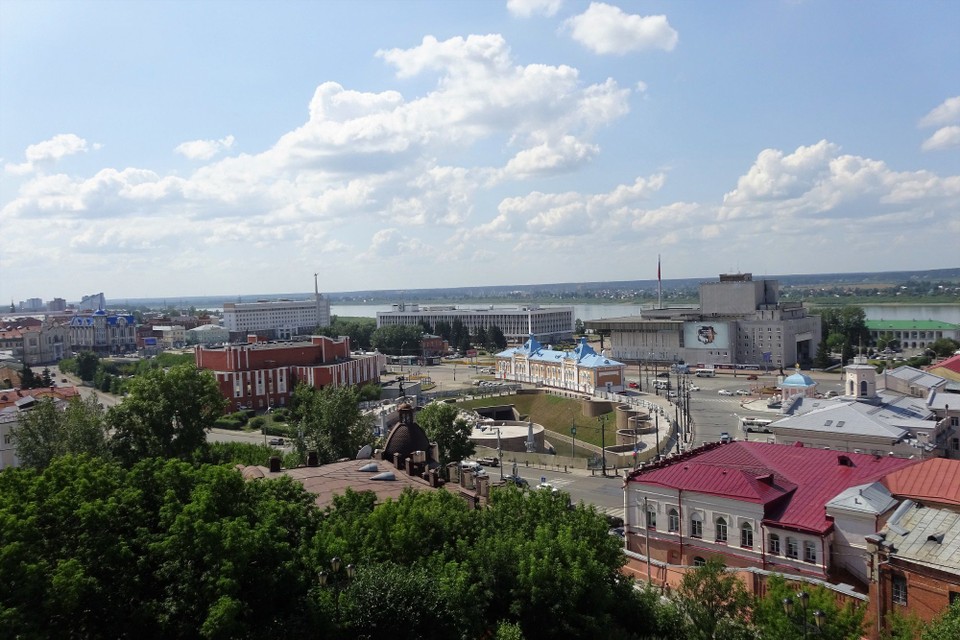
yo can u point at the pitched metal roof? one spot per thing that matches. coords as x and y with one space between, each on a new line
583 354
933 480
891 416
799 483
872 498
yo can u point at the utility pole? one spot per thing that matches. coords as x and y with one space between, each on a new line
603 443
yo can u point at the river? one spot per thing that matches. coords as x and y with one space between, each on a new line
939 312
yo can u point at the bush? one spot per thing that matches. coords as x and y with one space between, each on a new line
257 423
281 415
228 422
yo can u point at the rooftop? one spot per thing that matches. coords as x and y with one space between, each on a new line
933 480
793 482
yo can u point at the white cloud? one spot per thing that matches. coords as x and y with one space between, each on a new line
943 138
946 112
527 8
49 152
817 186
606 29
204 149
551 157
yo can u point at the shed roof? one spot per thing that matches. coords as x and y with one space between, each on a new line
933 480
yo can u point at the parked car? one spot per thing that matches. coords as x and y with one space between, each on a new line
724 392
489 461
517 480
633 385
663 374
725 437
470 465
742 392
671 394
752 376
277 442
831 394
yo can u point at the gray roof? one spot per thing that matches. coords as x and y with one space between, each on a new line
925 535
872 498
893 416
916 377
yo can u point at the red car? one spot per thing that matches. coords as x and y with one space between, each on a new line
633 385
752 376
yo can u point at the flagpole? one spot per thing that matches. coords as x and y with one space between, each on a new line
659 285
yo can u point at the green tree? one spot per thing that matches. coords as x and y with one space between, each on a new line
166 413
480 337
496 339
944 347
822 359
87 364
946 626
444 330
48 431
713 603
329 421
29 380
578 327
444 425
46 378
397 339
838 623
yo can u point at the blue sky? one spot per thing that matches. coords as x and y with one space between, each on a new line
220 148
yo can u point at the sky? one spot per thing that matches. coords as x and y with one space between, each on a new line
222 148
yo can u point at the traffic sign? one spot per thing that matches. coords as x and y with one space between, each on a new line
573 431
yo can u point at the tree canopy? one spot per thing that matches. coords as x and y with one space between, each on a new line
329 421
442 423
49 430
166 413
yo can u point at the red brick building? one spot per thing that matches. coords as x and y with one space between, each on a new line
259 375
916 555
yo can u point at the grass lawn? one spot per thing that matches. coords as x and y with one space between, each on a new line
555 414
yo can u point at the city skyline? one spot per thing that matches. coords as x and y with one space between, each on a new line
190 149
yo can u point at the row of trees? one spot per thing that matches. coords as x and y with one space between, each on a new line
170 549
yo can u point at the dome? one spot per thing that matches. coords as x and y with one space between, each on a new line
799 380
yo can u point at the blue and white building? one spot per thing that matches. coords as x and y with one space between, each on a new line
582 369
103 333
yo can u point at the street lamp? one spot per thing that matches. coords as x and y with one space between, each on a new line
603 443
499 449
804 598
336 582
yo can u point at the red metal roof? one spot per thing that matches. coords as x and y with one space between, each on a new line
951 364
934 480
800 480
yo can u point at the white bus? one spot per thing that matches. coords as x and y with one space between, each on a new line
706 373
757 424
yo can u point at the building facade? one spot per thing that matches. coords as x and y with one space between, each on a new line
752 504
548 324
581 369
912 334
740 321
276 319
103 333
259 375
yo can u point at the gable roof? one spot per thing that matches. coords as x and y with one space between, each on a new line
800 480
925 535
893 416
583 354
949 368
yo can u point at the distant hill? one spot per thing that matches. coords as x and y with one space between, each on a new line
554 291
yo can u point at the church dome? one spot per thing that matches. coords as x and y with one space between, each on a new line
799 380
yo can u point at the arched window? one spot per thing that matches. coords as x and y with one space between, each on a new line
746 536
673 521
853 388
809 551
699 562
863 387
773 544
696 525
721 530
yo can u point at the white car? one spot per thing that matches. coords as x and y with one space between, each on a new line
693 387
547 487
742 392
724 392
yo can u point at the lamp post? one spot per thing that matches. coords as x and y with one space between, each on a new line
402 347
337 582
499 449
804 598
603 443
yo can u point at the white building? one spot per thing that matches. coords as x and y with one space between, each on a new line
207 334
278 319
548 324
903 412
8 448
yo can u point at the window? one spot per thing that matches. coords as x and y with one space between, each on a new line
746 536
699 562
696 526
721 530
898 588
773 544
673 521
651 518
809 552
793 550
